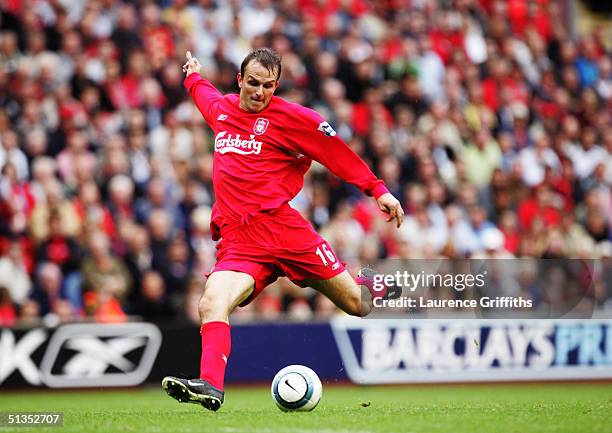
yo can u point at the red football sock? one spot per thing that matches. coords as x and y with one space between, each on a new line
216 345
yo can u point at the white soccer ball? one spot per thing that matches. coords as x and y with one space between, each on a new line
296 387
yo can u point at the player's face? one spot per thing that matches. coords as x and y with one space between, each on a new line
256 87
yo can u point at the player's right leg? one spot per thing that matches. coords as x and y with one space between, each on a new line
223 292
350 296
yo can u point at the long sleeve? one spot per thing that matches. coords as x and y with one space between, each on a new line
205 96
315 138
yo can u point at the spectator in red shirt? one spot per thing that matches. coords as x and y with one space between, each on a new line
8 315
542 205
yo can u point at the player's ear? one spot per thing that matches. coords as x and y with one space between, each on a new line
239 79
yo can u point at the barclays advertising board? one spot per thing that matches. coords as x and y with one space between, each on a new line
420 351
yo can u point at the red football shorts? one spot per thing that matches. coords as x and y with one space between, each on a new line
275 244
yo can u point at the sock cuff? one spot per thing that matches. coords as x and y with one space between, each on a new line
212 326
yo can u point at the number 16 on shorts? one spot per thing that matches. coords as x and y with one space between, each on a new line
325 254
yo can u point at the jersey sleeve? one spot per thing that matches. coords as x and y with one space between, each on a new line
205 96
315 138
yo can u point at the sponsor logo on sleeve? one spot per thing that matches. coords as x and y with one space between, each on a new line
326 129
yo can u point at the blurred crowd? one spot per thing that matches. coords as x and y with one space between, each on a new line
486 118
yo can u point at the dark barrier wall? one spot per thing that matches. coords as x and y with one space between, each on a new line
258 351
598 5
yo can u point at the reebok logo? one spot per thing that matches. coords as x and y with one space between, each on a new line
100 355
82 355
222 117
94 356
236 144
16 355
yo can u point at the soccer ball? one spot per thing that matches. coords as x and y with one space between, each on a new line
296 388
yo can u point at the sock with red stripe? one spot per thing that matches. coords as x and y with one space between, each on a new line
216 345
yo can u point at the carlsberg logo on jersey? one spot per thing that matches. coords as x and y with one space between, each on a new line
237 144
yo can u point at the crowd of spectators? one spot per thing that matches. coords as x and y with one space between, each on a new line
486 118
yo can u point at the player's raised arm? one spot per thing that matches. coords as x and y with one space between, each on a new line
204 94
192 65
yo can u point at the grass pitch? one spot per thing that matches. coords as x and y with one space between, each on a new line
521 408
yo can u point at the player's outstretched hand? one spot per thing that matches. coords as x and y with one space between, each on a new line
192 65
391 206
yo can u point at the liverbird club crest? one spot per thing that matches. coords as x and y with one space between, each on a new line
260 126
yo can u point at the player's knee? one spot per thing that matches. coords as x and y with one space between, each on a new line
204 307
359 306
211 308
366 306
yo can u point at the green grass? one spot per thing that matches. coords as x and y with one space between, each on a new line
521 408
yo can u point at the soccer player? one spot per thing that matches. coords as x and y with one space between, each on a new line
263 147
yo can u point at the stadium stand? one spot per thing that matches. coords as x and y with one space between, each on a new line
488 119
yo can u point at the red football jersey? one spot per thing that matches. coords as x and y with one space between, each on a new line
260 158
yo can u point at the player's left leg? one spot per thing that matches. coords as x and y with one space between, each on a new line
343 291
224 291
